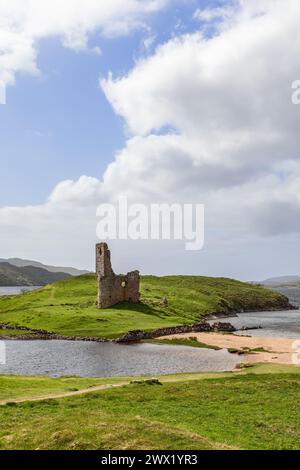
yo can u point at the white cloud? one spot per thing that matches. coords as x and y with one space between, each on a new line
87 190
229 99
211 120
210 14
24 22
149 41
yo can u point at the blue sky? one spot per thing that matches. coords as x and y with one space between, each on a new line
59 125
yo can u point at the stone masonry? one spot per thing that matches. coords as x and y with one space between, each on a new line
113 288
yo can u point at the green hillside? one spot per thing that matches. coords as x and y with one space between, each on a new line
69 307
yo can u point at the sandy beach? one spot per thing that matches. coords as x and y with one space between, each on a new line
276 350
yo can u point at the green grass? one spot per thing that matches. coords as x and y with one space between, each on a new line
248 350
192 342
254 350
69 307
13 332
15 387
248 410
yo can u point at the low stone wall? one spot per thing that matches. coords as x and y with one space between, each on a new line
34 334
130 337
138 335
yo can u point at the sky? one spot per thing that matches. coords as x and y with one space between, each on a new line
162 101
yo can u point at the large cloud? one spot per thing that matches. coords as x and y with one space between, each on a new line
211 120
228 99
24 22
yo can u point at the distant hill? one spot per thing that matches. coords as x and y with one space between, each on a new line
53 269
27 276
282 281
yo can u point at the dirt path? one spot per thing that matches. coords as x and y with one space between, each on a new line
65 394
98 388
277 350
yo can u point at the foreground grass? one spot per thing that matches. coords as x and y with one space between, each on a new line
69 307
15 387
256 410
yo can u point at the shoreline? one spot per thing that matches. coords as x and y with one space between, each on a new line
137 335
253 349
219 315
275 350
42 335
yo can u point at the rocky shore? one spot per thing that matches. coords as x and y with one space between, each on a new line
138 335
33 334
131 336
233 314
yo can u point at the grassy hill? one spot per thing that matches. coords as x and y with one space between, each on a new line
69 307
11 275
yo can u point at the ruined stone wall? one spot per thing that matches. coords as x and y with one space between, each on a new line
113 289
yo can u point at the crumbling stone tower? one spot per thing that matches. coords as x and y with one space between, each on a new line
113 289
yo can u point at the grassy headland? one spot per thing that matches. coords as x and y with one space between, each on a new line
254 409
69 307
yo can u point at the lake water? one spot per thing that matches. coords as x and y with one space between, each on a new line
293 293
284 324
91 359
16 290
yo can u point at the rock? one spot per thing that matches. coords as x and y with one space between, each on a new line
204 326
223 326
133 336
138 335
146 381
246 328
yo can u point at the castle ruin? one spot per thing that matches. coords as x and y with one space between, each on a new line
113 288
